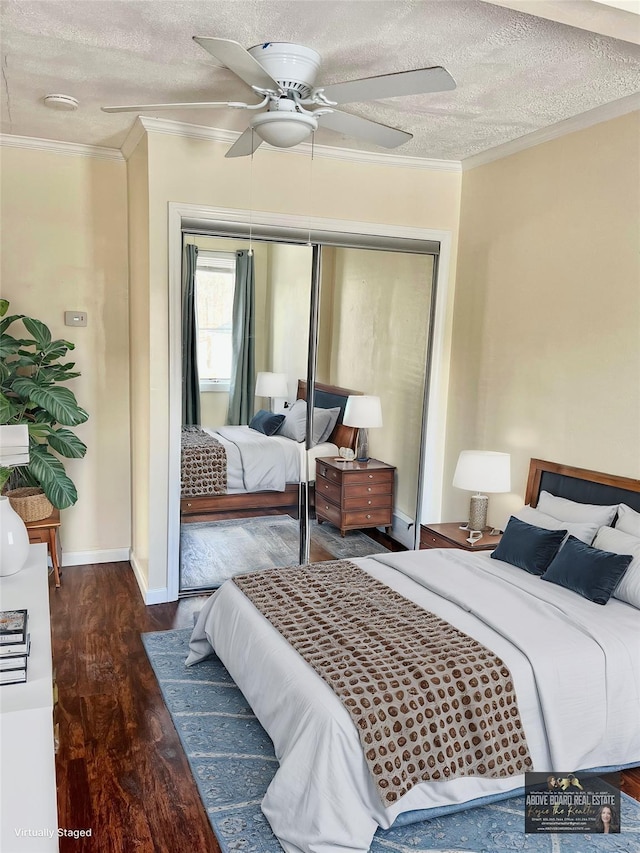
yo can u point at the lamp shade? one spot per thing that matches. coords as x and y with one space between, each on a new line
271 385
363 411
483 471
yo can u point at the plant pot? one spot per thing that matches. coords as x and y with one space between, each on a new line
30 503
14 539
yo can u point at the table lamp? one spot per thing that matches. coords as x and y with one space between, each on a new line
271 385
482 471
363 412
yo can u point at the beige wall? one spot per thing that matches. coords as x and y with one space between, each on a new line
378 345
546 352
64 247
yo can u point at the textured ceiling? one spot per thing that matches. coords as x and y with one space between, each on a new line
516 73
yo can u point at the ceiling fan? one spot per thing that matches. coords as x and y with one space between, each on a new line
292 107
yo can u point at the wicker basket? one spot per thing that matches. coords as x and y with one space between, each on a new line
30 503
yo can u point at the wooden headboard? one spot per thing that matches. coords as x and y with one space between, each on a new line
580 484
331 397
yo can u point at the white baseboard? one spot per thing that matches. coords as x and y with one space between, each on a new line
402 529
84 558
158 595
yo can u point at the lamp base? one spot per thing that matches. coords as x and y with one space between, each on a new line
362 446
478 507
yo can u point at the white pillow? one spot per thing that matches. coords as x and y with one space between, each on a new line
617 542
628 520
294 425
584 532
566 510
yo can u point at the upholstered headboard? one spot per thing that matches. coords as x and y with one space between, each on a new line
580 484
331 397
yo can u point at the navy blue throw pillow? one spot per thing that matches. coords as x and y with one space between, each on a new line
592 573
528 547
266 422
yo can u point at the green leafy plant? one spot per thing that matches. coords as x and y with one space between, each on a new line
31 371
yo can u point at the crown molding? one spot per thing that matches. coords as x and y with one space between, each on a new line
70 148
228 137
612 110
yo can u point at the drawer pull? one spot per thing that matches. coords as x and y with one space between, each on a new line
371 476
368 516
323 471
369 502
326 485
326 506
369 488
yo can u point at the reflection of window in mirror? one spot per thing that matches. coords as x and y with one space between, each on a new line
215 282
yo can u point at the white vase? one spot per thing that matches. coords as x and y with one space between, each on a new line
14 539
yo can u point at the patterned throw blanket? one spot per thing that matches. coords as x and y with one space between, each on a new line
203 464
428 701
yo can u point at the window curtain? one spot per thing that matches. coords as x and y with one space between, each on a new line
190 379
243 373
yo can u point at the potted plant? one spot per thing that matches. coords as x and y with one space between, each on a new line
31 373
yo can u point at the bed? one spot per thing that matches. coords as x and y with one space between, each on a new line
286 473
568 658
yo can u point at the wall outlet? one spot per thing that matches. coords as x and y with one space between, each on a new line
75 318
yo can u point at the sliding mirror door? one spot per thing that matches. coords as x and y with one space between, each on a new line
248 519
374 323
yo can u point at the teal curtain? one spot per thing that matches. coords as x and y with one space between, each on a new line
190 379
243 372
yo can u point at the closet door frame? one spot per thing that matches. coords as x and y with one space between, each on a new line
230 221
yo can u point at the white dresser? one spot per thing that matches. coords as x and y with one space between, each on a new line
27 759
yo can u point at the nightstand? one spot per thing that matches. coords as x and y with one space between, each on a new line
46 530
354 495
450 536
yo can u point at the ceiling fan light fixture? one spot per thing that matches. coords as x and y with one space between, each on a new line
62 103
283 129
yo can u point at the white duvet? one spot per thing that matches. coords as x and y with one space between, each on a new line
575 665
256 462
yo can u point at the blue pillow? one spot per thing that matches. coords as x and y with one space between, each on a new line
528 547
266 422
592 573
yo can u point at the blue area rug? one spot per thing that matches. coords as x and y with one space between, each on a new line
232 761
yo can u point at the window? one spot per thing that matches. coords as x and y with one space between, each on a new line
215 284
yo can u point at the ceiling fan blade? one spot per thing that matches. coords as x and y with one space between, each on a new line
204 105
245 144
418 82
234 57
364 128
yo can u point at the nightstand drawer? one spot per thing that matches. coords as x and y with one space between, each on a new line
430 540
38 535
363 476
330 473
328 511
328 490
363 491
366 501
367 518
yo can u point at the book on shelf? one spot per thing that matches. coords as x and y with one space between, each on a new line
13 627
13 676
15 658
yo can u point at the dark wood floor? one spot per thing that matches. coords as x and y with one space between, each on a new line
120 766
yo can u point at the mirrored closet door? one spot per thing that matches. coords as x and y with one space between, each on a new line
350 321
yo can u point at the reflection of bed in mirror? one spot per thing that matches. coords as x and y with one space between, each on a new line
272 466
563 657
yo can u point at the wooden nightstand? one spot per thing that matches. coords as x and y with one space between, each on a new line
450 536
354 495
46 530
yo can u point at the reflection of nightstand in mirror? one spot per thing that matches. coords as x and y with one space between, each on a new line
46 530
354 495
451 536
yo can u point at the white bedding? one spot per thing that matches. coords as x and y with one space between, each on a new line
256 462
575 665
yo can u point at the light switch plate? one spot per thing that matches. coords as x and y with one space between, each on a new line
75 318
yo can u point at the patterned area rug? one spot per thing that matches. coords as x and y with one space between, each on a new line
232 761
210 553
